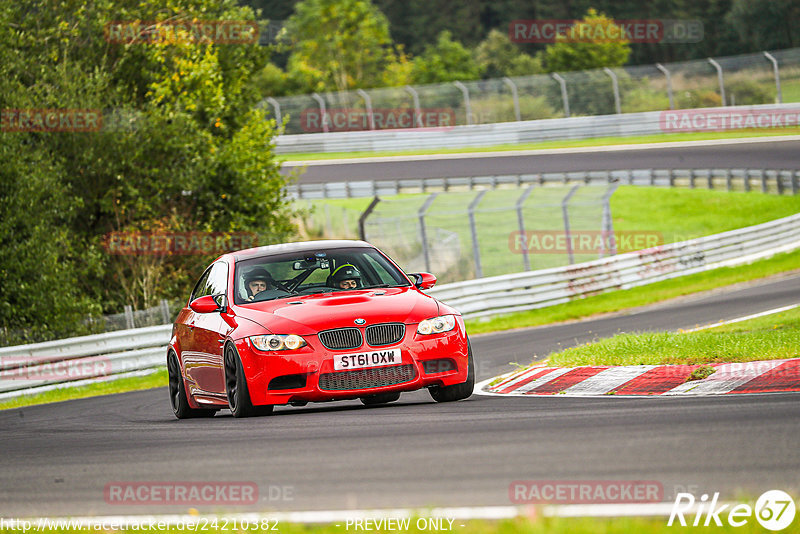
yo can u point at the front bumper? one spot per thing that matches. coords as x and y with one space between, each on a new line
307 374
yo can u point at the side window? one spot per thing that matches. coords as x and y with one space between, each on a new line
213 282
199 287
218 279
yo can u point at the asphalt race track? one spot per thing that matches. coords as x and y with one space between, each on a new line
773 154
57 459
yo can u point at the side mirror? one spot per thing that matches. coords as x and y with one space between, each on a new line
205 304
424 280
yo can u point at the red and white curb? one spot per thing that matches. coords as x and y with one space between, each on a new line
770 376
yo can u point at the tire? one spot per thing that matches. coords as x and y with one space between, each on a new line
381 398
177 392
457 391
236 387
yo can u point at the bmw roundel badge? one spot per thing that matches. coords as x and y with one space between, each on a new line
360 321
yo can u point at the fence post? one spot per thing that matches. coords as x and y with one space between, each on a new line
129 317
565 215
423 231
515 96
608 223
615 86
415 97
165 311
465 92
322 111
362 219
526 261
663 69
777 74
276 105
473 229
747 180
728 180
719 78
560 79
368 104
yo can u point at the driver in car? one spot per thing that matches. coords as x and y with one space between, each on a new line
345 277
256 281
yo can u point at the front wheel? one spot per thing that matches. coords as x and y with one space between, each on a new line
177 392
457 391
236 387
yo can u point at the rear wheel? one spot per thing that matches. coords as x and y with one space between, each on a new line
457 391
236 387
381 398
177 392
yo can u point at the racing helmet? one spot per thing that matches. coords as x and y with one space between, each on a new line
259 273
344 272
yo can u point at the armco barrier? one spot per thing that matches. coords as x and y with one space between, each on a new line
88 357
500 133
26 368
778 180
537 289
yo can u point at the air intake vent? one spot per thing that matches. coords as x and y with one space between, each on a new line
367 378
341 338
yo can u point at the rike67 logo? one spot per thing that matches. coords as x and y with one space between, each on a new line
774 510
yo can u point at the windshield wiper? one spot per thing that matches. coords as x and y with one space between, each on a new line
376 286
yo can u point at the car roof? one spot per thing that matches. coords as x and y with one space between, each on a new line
302 246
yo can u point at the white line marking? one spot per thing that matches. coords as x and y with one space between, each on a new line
127 522
745 318
608 380
543 152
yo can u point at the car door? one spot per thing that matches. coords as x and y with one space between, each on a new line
203 362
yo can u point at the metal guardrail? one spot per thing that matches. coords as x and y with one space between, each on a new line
778 180
494 134
98 357
537 289
30 368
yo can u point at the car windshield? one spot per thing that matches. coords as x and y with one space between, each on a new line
317 271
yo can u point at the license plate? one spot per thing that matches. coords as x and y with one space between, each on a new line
376 358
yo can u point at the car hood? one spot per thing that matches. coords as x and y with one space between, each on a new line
309 314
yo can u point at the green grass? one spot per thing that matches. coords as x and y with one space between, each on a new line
157 379
545 145
509 526
772 337
639 296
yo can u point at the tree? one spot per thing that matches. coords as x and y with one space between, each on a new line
591 43
338 44
445 61
767 24
497 56
181 148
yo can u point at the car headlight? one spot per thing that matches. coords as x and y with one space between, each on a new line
436 325
278 342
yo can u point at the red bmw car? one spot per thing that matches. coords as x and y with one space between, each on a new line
313 322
